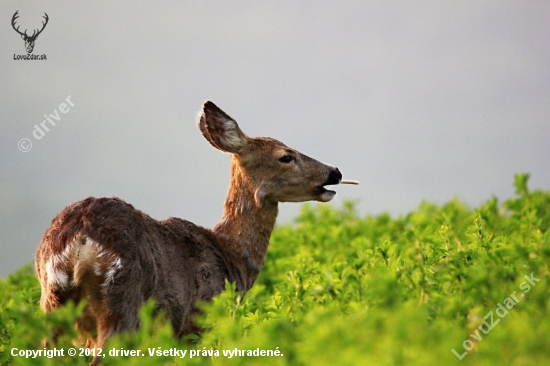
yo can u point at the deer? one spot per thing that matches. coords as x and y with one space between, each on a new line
117 257
29 40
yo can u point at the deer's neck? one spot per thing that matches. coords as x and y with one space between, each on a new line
245 227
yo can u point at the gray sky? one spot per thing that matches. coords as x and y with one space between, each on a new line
421 100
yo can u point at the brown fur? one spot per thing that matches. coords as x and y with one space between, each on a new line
117 257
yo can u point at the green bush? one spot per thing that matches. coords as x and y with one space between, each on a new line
339 289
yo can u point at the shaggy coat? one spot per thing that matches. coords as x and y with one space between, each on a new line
115 256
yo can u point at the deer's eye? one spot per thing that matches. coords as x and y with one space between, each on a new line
286 159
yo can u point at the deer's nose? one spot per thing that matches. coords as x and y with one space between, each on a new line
334 177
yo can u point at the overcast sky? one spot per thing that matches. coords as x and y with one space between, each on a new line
422 100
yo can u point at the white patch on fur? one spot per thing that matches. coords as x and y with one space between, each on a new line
81 255
115 265
56 275
97 269
99 249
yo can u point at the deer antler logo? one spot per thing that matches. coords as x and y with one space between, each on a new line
29 40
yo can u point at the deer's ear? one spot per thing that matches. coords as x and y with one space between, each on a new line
220 130
23 36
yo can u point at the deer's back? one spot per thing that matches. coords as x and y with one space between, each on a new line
103 248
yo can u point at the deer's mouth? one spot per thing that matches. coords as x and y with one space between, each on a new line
324 195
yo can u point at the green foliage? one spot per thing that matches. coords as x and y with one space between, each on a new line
339 289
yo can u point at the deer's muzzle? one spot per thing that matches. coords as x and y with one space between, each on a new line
325 195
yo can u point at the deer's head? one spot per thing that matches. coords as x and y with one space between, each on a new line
273 171
29 40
